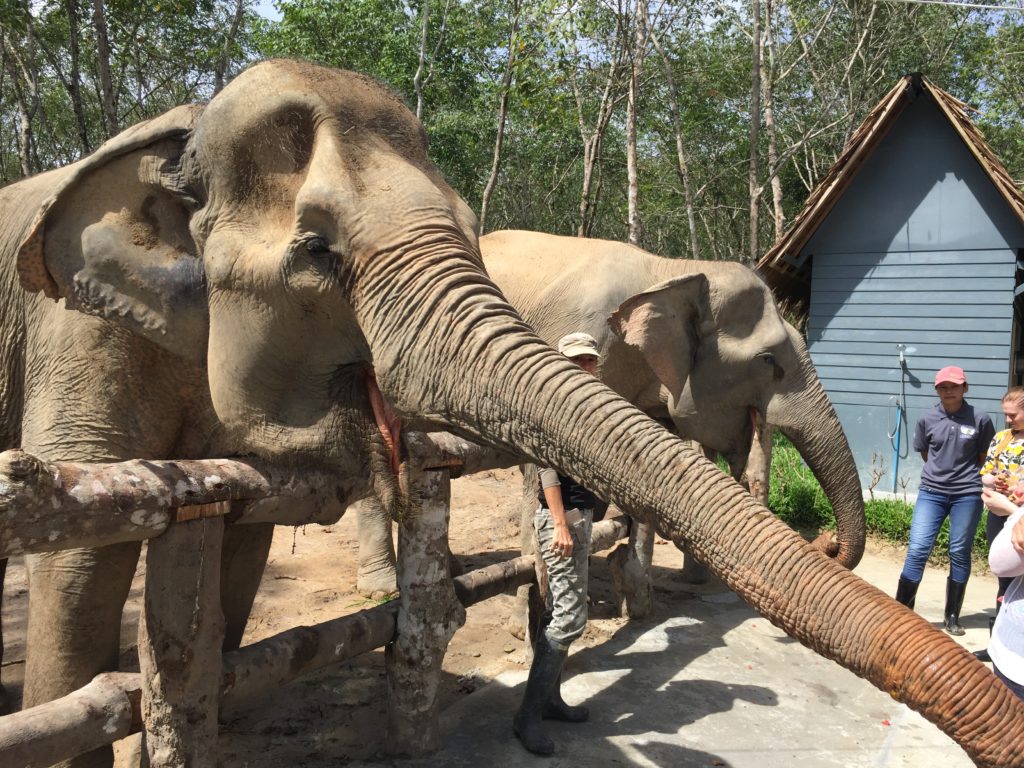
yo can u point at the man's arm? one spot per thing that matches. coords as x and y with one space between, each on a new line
561 541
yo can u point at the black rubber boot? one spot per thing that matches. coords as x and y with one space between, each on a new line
982 655
954 602
557 709
906 592
545 672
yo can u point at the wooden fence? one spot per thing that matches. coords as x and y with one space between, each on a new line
180 507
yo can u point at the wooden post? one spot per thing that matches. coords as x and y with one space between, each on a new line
630 565
428 615
180 636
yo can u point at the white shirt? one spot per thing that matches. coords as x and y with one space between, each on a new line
1006 648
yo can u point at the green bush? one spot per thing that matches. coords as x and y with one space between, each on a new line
796 497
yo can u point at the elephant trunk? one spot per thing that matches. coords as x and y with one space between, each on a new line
810 422
471 363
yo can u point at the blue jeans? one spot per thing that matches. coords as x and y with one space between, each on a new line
931 509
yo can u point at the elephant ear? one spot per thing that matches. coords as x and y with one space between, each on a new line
112 238
666 324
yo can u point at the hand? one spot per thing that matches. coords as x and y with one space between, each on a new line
561 543
997 503
1017 536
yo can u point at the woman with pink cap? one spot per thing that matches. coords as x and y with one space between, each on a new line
953 439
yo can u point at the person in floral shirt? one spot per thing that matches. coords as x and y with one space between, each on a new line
1003 471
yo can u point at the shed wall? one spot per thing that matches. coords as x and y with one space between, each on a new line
921 250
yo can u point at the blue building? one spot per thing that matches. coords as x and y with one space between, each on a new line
912 244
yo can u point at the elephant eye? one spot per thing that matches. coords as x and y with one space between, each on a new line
768 358
317 246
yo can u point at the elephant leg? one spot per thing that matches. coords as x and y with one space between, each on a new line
377 573
243 559
693 570
527 608
74 624
5 701
630 566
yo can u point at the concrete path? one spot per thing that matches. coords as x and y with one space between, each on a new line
707 682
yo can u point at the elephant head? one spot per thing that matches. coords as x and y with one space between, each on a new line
337 260
701 344
722 349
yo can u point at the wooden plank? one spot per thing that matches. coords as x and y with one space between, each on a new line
960 256
877 363
837 308
889 338
180 636
915 402
899 323
886 351
849 272
892 375
429 613
913 288
925 388
902 298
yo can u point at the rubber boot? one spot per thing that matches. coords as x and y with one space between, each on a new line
545 672
982 655
557 709
906 592
954 602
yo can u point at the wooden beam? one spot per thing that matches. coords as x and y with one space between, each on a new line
107 709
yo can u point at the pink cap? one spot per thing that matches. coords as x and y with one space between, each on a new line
951 373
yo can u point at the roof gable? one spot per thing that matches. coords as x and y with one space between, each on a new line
779 265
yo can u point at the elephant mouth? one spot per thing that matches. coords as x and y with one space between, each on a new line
390 465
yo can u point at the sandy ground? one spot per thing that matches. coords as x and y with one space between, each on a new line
338 714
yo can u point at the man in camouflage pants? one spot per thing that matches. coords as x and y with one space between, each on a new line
563 523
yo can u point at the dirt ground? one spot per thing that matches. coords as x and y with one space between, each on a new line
338 714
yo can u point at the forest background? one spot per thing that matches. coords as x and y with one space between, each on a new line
693 129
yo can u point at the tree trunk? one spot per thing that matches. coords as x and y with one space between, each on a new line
180 637
99 20
428 615
229 40
778 216
74 79
593 137
639 48
499 139
682 159
755 124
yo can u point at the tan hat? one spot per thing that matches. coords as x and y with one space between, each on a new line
578 344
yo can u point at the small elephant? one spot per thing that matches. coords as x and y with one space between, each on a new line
344 290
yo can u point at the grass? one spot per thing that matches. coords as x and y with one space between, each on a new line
796 497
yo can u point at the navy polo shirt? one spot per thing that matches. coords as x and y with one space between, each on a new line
953 441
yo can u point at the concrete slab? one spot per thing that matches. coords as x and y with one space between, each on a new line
707 682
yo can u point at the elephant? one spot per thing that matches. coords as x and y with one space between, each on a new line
80 386
345 301
703 378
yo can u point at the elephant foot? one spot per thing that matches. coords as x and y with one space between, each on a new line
693 571
374 584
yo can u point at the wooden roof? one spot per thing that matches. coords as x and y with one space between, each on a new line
790 278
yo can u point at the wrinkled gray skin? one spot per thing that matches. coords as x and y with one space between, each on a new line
330 243
736 353
80 388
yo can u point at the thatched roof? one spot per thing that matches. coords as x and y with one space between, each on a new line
791 279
